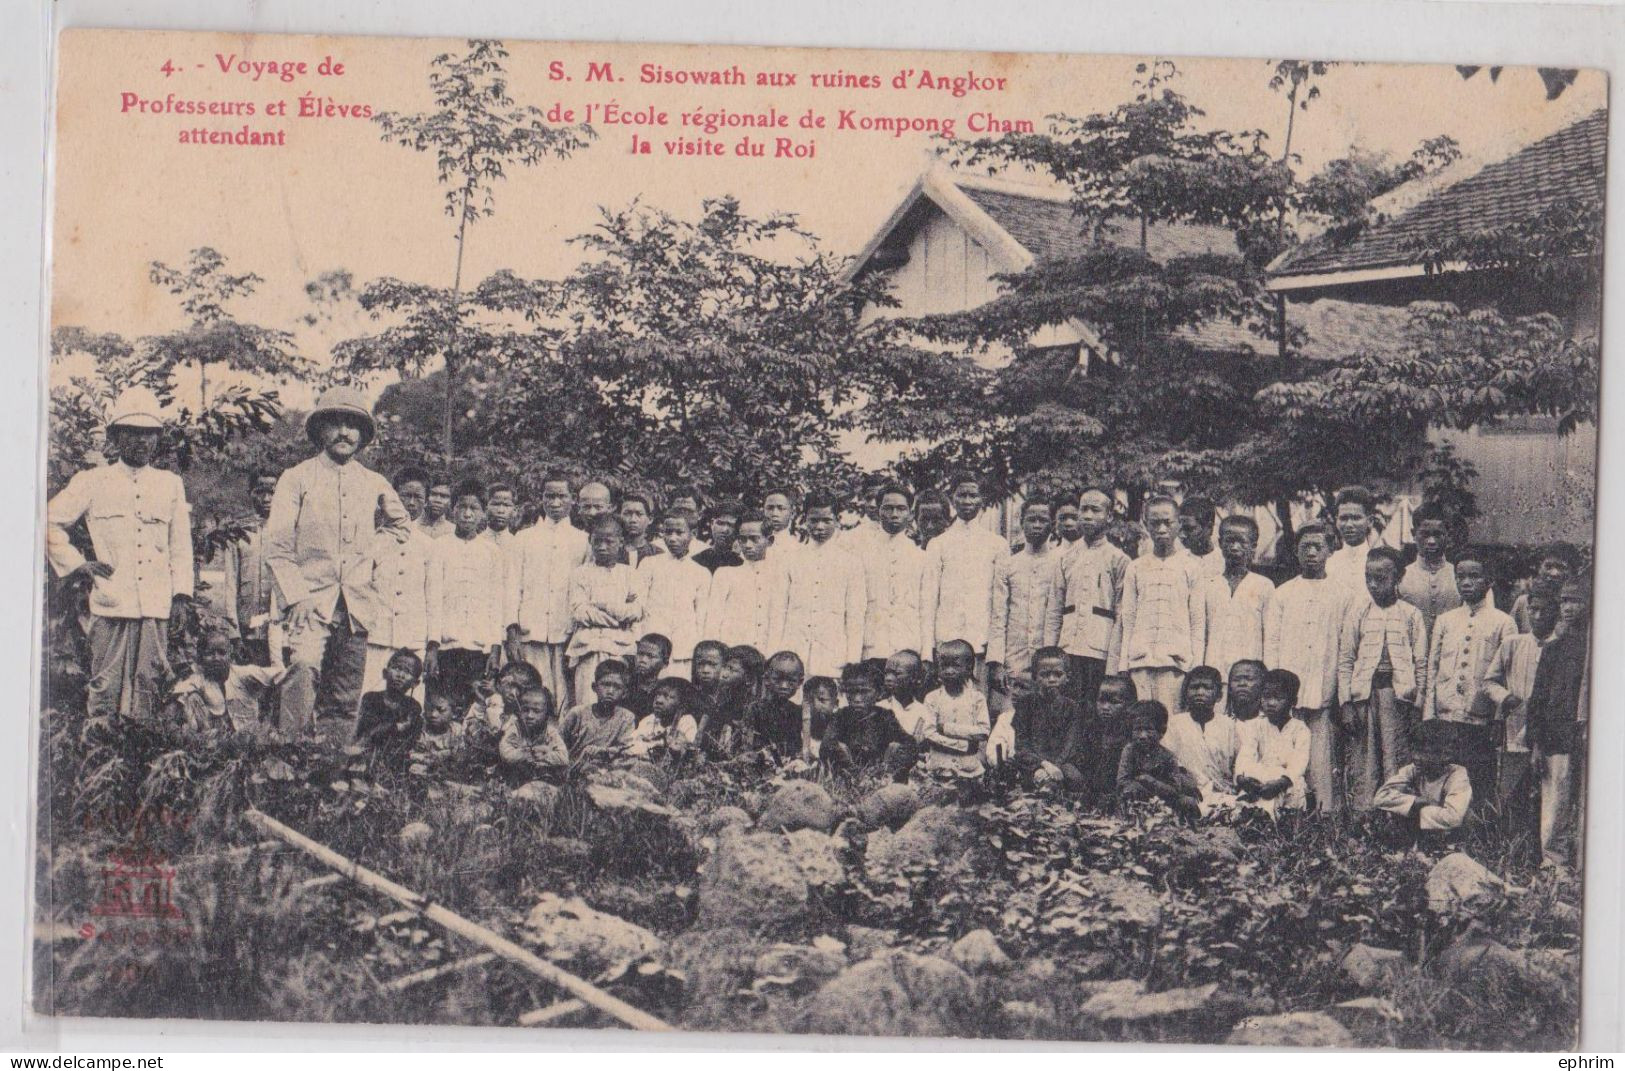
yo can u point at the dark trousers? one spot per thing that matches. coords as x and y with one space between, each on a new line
325 666
460 670
1084 675
1474 749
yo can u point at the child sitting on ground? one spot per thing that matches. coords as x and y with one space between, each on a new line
391 720
1113 714
901 680
670 728
1053 734
531 748
601 730
861 736
1273 760
495 701
1147 770
739 683
1431 796
822 698
649 662
1204 741
957 723
705 674
219 698
772 724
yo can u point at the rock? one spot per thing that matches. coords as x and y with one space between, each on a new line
790 965
798 805
1027 1016
725 818
756 878
978 952
1126 1000
628 799
814 854
416 835
1298 1030
1481 961
894 993
1198 849
1369 1019
1460 882
1370 967
568 930
537 797
889 805
932 837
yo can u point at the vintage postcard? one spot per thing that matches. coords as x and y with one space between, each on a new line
757 540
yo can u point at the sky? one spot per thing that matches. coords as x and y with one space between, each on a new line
334 196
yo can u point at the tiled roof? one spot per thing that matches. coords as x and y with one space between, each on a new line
1049 230
1568 163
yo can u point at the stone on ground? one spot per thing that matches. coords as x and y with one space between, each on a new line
569 931
931 837
1299 1030
798 805
978 952
1370 967
889 805
894 993
1460 882
725 818
416 835
759 878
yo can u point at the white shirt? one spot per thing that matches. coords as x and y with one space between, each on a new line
824 602
956 586
1268 754
745 601
537 595
1208 752
605 601
465 593
1088 591
1346 565
1163 618
910 717
892 570
140 524
1465 642
1021 623
1301 633
675 591
400 577
1235 620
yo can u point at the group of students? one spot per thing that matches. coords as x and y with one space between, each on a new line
1171 668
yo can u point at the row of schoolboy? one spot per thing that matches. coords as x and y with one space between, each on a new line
341 559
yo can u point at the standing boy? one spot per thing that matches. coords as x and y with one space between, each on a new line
536 607
1558 562
606 600
778 506
932 515
1023 585
318 545
1238 600
1301 634
1068 524
464 602
1381 670
1465 641
1559 706
436 521
501 515
1196 516
675 589
1088 591
1429 583
1163 619
398 617
635 519
747 600
892 570
141 531
1504 699
1354 509
723 530
248 582
957 576
823 596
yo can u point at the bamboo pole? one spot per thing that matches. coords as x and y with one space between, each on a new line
552 1013
582 989
407 981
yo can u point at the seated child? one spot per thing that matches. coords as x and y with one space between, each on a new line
670 728
219 698
957 724
649 661
1241 694
822 698
1052 730
531 747
493 704
772 724
600 730
1430 797
739 684
1273 760
1204 741
902 683
440 740
705 674
1114 709
1147 770
391 720
862 735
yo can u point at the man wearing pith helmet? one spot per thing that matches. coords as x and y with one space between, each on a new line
324 516
141 533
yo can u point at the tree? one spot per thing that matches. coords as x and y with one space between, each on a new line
213 336
475 133
1297 78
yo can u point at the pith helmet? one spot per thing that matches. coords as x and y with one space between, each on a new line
136 407
340 401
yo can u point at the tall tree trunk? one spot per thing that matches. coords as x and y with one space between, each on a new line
451 344
1286 549
202 387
